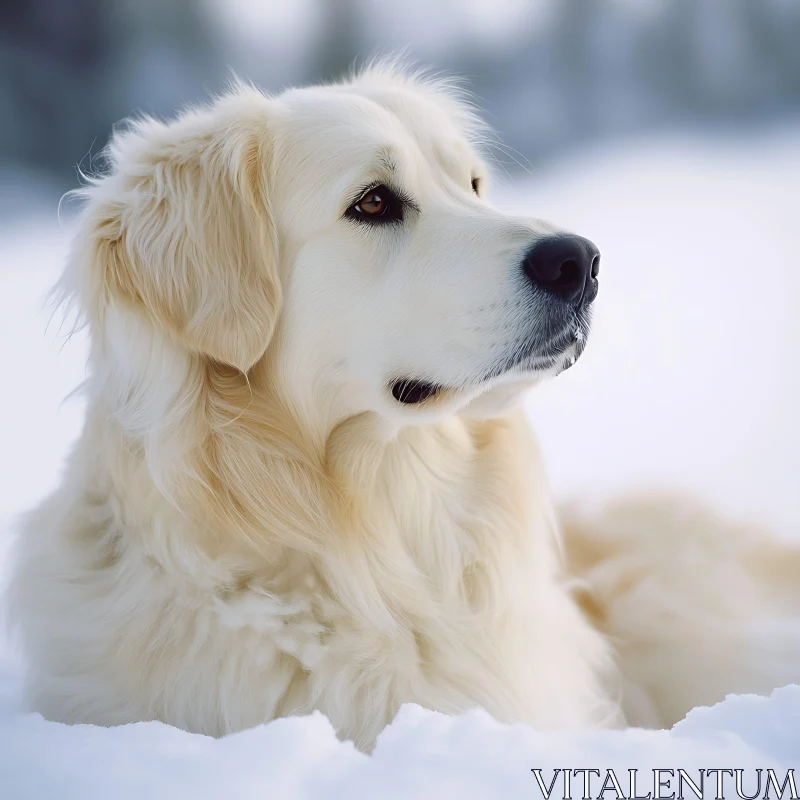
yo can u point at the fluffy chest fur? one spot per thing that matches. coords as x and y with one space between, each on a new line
436 583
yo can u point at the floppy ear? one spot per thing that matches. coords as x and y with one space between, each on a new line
186 229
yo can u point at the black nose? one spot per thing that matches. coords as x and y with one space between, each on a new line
564 265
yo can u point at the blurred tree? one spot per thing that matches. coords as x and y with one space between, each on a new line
71 69
340 40
773 27
575 63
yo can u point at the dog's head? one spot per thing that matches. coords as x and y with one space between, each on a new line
341 236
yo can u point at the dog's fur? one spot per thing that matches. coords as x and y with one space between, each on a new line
251 525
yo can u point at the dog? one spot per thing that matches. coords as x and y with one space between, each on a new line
305 481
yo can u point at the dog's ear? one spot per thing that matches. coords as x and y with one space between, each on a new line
185 229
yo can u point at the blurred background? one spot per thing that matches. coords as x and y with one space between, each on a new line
666 130
552 75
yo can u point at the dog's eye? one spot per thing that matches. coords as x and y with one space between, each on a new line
373 203
476 185
378 204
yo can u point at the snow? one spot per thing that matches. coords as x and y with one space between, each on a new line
691 380
422 754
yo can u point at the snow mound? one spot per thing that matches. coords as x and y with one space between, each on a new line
422 754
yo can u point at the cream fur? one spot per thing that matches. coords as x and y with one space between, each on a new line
251 526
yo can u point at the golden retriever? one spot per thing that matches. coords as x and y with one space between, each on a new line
304 481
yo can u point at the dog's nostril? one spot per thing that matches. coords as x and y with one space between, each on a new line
569 275
596 266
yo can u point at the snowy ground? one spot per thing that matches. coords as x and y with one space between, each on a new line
421 755
691 381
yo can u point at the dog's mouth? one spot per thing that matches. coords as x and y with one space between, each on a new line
561 353
411 392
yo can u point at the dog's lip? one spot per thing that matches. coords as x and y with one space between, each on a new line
413 391
571 343
566 359
560 352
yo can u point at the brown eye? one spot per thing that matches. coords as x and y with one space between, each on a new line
372 203
378 205
476 185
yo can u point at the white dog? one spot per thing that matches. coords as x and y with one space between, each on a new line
302 482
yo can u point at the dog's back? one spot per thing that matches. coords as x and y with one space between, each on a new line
696 606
